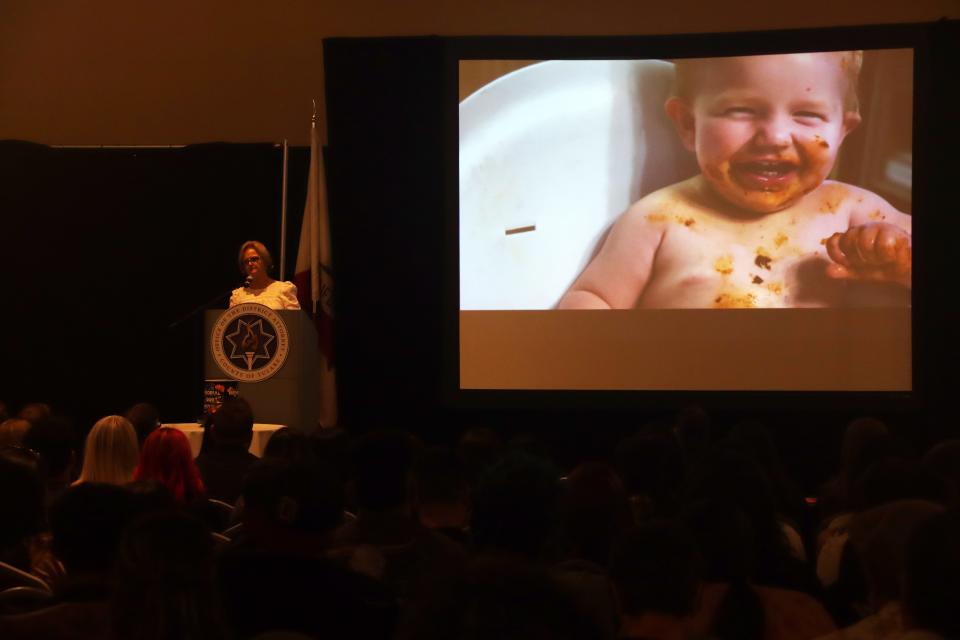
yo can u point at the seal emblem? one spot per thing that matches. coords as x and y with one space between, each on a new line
250 342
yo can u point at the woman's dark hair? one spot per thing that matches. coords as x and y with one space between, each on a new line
651 465
730 477
754 440
595 511
497 598
931 591
291 445
165 581
656 568
515 506
21 497
725 539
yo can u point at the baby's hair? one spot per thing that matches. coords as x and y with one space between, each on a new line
850 64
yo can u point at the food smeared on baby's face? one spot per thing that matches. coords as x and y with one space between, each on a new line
767 128
762 261
781 239
757 280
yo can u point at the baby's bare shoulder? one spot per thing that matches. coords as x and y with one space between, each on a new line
667 206
861 206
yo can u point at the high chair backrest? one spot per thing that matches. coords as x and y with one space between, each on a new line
550 155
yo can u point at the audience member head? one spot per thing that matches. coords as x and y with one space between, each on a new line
165 580
754 440
167 458
865 441
331 448
21 498
931 588
530 444
233 424
725 539
515 507
892 479
693 430
498 599
655 570
943 460
382 461
145 418
86 522
111 452
595 511
439 477
441 491
12 432
56 442
292 445
879 538
280 494
36 412
730 477
478 448
652 468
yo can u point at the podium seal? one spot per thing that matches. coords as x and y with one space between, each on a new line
250 342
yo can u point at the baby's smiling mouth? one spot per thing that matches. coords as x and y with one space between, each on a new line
764 174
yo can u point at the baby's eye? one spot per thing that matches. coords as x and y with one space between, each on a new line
739 111
811 115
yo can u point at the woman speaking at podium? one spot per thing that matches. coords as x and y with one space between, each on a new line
255 263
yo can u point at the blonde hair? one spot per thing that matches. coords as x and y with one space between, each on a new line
261 251
111 452
850 63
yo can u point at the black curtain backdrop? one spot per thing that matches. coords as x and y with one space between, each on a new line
106 248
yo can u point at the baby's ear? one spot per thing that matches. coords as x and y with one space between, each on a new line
682 116
851 119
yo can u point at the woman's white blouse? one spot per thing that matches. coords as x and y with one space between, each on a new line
276 295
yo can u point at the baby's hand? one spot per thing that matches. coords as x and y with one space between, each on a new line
876 252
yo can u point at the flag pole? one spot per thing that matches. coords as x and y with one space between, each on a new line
283 214
314 222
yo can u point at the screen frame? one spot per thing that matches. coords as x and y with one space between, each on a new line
908 36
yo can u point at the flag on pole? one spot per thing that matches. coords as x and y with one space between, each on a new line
314 277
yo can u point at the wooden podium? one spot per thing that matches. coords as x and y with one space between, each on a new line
290 395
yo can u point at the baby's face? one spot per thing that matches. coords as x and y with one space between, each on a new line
766 129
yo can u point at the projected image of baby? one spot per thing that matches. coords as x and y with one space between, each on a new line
760 226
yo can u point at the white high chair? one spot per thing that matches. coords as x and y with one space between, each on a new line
564 147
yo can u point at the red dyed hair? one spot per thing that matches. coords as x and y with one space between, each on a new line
166 458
